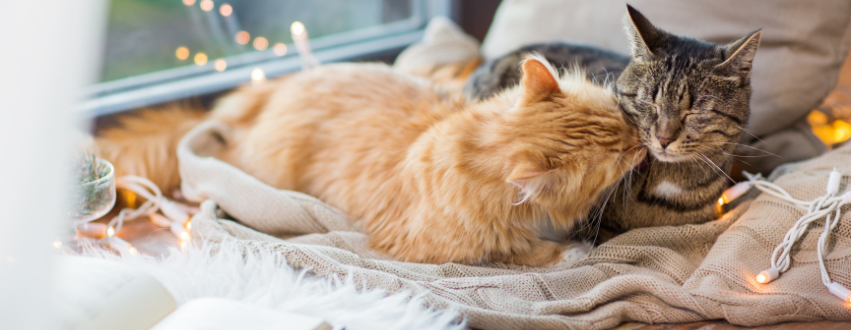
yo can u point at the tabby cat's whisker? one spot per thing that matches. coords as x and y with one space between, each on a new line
735 157
702 163
600 216
752 147
716 166
627 183
598 212
729 154
695 159
744 130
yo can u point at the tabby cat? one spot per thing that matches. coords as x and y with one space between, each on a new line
690 101
434 178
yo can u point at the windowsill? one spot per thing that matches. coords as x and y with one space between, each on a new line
220 81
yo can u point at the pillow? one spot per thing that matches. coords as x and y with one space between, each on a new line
803 46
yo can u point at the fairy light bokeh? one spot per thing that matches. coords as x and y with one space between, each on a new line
257 75
182 53
834 128
207 5
260 43
280 49
242 37
225 9
297 28
220 65
831 121
200 58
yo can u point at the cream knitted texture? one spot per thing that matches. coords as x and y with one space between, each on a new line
652 275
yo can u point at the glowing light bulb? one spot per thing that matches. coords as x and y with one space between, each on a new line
257 75
132 249
260 43
189 225
767 275
57 243
184 236
841 130
200 59
129 195
297 28
302 45
188 2
110 231
721 201
182 53
817 118
242 37
280 49
207 5
225 10
220 65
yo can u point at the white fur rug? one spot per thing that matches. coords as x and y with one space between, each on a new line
265 279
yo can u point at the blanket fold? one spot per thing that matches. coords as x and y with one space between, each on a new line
651 275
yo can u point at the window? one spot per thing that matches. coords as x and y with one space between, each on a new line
163 50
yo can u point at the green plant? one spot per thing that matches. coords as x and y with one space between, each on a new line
92 194
89 168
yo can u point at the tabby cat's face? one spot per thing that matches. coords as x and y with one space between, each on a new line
682 108
688 98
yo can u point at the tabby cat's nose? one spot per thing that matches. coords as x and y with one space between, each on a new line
664 141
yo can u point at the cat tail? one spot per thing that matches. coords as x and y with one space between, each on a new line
145 143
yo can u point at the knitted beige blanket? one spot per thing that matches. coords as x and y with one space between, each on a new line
651 275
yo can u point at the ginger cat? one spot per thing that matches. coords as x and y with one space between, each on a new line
435 179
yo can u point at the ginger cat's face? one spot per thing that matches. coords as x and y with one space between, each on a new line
571 141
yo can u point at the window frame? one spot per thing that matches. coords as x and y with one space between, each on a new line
192 80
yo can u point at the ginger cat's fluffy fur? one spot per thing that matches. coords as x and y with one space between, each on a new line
434 179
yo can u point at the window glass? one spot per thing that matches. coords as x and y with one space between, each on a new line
147 36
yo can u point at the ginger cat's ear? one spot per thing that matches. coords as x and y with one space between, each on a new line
531 180
539 80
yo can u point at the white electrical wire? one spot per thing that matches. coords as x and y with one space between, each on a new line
175 215
822 207
138 185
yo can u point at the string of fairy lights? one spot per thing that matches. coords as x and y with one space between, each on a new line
826 207
242 37
161 211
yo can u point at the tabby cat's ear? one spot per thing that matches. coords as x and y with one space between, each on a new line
531 180
739 55
539 80
645 39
